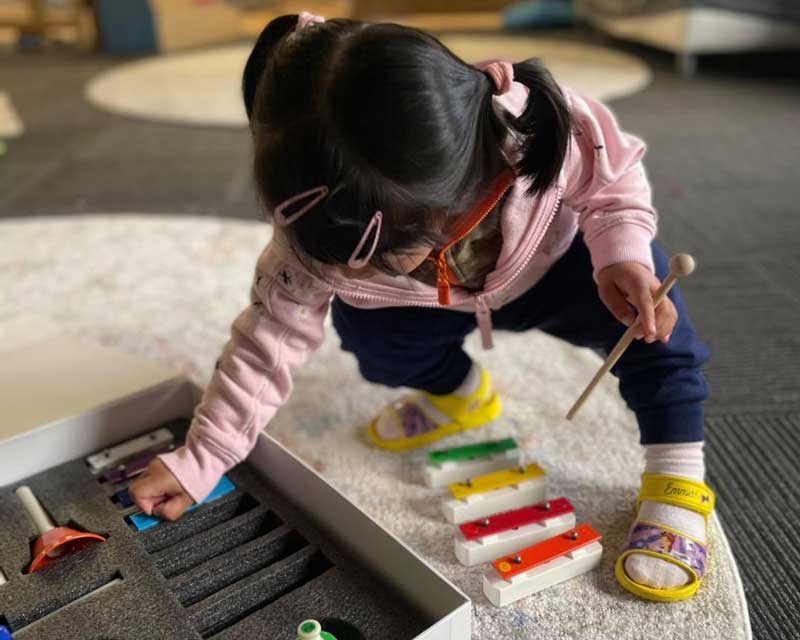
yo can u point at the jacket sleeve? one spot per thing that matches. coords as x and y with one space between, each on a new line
273 335
608 188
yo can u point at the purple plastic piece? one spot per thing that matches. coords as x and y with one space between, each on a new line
128 469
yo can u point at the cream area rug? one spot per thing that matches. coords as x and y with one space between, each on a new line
203 87
11 125
168 288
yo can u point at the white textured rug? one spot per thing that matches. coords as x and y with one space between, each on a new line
202 87
168 288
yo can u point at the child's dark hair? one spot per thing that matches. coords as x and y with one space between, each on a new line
388 118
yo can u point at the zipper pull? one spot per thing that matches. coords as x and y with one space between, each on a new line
443 284
483 316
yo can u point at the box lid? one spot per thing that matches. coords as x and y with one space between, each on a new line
46 376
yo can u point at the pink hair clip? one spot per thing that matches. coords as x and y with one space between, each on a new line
354 262
318 194
281 220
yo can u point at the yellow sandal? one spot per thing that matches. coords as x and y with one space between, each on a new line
470 412
663 542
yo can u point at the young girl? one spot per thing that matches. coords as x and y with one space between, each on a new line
418 198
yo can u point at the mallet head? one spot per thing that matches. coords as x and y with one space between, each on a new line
681 264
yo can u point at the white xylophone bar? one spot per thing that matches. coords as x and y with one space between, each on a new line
502 592
488 503
492 547
442 475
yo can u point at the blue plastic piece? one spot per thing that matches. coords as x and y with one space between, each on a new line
539 14
126 27
5 633
143 522
123 498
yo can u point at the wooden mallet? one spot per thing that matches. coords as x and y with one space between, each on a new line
680 265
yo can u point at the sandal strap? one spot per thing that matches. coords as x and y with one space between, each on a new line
667 543
681 492
456 406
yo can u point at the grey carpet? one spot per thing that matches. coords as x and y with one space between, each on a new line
723 162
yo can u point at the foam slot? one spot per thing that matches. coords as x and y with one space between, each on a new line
202 518
376 616
221 538
218 573
121 612
231 604
73 598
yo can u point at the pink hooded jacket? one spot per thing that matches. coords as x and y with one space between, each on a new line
602 190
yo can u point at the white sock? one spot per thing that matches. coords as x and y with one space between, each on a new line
388 426
685 460
471 382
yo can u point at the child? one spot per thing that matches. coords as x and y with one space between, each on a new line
426 197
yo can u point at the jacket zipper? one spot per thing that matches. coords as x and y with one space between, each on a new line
532 252
483 315
434 302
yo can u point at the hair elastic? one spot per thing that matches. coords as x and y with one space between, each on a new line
501 73
304 19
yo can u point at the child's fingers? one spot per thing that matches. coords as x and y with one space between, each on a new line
147 493
666 318
642 299
173 508
616 303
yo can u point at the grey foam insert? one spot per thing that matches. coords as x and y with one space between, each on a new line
216 541
248 565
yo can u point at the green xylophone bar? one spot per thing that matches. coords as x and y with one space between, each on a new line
448 466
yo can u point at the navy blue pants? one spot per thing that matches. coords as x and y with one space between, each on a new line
422 348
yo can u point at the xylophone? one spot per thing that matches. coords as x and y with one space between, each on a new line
504 518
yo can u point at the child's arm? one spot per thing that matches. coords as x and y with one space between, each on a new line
253 378
608 188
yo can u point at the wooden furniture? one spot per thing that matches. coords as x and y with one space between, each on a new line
691 29
366 9
34 19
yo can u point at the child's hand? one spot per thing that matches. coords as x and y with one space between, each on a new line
157 492
626 283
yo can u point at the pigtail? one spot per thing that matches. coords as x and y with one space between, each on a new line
545 125
261 52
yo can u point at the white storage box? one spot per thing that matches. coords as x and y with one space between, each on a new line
144 407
